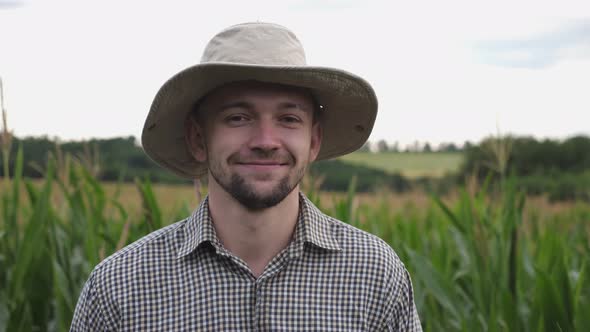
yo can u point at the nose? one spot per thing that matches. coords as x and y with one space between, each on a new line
265 136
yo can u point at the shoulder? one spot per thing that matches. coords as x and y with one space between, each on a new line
152 252
370 256
103 296
383 273
164 241
357 242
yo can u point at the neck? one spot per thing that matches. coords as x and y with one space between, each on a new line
254 236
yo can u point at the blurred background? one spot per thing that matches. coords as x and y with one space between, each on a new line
477 171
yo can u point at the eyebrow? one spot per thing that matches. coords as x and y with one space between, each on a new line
288 105
237 104
248 105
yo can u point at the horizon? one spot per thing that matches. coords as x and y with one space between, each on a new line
458 72
416 146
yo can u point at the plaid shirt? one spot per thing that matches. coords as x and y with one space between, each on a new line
331 277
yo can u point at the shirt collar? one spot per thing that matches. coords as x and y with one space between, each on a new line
198 229
313 227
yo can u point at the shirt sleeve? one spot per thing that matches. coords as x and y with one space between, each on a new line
404 316
89 314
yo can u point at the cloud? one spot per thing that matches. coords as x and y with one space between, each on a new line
11 3
569 41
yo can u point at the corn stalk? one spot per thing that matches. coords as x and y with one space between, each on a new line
5 136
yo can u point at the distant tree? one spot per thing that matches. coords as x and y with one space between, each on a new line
530 157
414 147
382 146
336 175
448 147
112 158
451 147
427 148
576 154
467 145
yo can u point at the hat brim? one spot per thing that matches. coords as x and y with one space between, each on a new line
349 106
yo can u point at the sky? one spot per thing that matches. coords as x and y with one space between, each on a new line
443 71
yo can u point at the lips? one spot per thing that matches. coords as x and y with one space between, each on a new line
262 166
268 160
262 163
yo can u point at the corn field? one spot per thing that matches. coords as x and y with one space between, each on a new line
477 265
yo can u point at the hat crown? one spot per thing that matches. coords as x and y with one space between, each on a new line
256 44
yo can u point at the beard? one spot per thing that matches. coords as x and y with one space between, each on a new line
246 194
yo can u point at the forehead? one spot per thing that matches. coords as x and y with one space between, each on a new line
253 89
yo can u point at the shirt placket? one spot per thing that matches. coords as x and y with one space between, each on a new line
258 286
263 289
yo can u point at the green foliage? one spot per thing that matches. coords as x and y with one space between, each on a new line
477 265
122 158
409 164
110 159
529 156
560 169
53 237
559 186
336 176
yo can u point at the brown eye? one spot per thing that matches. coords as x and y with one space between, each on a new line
236 119
290 119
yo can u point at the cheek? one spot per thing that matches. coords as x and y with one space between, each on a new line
299 145
223 143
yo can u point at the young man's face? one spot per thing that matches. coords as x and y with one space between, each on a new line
257 139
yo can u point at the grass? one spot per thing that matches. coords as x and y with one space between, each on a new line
175 197
479 262
409 164
476 267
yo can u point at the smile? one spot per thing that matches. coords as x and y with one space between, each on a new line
262 165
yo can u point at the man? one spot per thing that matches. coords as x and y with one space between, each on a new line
256 255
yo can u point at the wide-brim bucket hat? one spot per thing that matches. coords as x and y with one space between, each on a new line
262 52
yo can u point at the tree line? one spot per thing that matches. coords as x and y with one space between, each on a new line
123 159
558 167
417 146
111 159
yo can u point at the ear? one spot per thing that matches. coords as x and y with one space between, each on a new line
316 141
195 139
